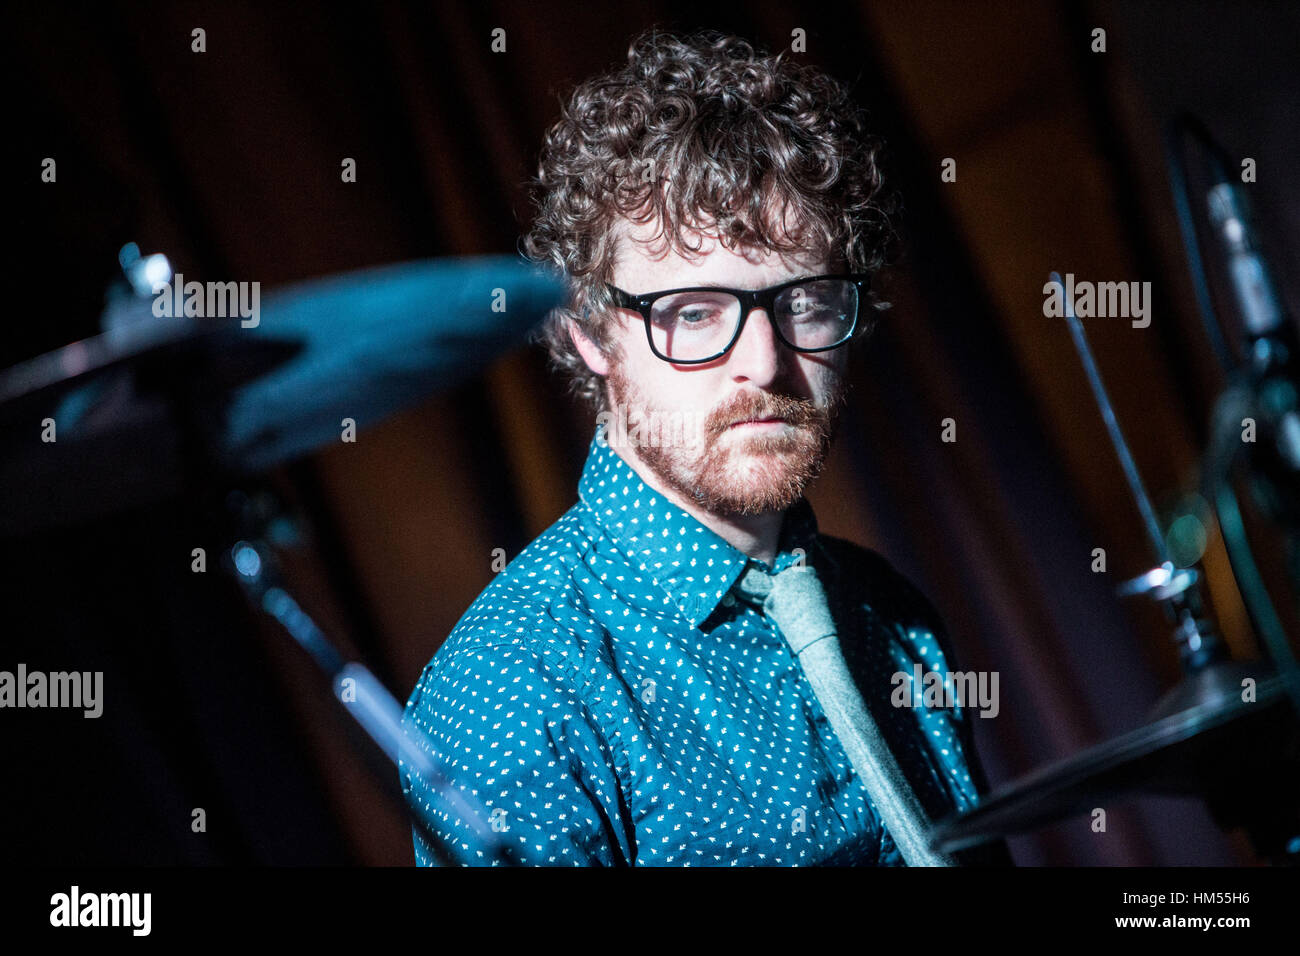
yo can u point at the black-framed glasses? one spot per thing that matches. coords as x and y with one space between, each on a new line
699 324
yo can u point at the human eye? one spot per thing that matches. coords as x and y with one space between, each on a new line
815 302
695 315
811 309
691 311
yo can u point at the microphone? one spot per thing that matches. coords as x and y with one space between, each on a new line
1272 348
1252 281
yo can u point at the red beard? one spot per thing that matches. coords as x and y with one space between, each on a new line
737 473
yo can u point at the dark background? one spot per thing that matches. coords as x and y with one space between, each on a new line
228 161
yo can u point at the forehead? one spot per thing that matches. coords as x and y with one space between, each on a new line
645 262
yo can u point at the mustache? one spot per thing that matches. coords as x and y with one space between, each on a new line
748 406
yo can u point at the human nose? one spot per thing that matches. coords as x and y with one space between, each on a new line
756 356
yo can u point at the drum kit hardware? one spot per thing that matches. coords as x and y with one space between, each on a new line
1229 731
157 407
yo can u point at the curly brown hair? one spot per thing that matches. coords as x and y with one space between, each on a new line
700 132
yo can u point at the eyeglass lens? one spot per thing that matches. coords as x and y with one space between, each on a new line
696 325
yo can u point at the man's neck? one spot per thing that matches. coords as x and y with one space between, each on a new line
758 536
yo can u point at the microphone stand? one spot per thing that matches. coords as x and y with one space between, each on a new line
1263 386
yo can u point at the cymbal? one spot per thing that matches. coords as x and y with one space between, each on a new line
111 401
1186 750
374 342
134 407
162 348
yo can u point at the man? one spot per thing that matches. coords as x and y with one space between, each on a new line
620 694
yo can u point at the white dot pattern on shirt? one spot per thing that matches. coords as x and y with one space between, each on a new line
604 705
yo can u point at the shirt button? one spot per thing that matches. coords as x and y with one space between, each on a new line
728 600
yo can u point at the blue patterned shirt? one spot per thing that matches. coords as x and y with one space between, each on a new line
606 700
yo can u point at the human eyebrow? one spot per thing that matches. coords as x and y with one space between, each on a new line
802 277
799 278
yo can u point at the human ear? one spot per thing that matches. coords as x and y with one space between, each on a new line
590 352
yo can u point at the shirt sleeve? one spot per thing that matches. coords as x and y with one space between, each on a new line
518 742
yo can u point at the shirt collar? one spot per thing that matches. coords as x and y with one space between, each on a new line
694 565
